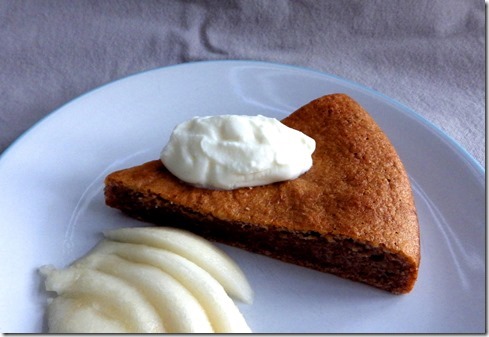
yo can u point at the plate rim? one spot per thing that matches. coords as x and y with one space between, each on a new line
412 113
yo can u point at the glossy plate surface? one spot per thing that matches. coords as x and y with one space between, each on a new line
52 206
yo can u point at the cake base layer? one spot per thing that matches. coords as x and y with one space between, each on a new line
341 256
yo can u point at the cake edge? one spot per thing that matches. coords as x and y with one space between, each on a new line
341 256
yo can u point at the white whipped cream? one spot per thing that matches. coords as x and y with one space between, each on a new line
230 151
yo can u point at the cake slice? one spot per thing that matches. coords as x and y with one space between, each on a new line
352 214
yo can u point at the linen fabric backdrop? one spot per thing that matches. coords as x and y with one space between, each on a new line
427 54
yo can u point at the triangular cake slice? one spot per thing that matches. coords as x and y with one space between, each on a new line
352 214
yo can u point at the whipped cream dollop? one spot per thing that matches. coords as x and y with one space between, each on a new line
231 151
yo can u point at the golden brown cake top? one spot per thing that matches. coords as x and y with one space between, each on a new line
357 186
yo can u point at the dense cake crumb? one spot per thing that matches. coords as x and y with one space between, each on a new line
352 214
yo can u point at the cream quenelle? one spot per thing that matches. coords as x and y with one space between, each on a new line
233 151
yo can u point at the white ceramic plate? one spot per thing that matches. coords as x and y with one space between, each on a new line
52 207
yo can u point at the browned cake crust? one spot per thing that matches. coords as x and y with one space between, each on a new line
352 214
